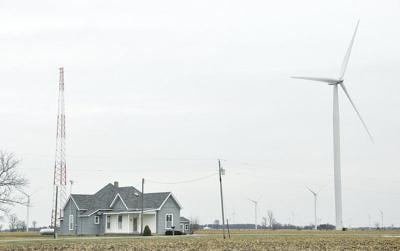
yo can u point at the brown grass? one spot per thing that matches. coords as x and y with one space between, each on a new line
14 235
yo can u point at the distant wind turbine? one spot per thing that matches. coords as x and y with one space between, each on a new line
315 194
28 204
255 212
335 82
381 213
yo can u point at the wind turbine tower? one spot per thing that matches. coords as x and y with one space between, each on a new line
381 213
60 169
255 212
28 205
315 194
336 82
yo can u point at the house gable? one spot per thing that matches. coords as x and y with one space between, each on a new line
169 207
169 201
72 202
118 203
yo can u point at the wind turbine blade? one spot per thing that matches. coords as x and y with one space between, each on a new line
358 113
320 189
251 200
309 189
348 52
325 80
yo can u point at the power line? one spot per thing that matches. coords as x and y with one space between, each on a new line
184 181
118 157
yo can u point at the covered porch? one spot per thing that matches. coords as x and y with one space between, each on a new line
128 222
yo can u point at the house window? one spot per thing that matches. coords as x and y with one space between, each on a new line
71 222
119 221
108 221
96 220
186 226
168 220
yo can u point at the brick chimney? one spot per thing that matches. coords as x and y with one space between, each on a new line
116 184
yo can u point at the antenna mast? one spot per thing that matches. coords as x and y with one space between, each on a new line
60 169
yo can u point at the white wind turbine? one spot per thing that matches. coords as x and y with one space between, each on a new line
335 82
315 206
255 212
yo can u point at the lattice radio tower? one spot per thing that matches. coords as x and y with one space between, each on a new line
60 168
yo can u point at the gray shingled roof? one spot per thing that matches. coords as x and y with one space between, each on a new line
183 219
84 201
130 195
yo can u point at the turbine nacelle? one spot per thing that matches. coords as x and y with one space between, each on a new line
337 83
329 81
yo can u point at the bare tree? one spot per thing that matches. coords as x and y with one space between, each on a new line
21 225
34 224
264 222
12 222
271 219
194 224
10 181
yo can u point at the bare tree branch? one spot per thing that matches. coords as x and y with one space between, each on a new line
10 181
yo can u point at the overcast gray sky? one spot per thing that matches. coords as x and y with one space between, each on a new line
161 89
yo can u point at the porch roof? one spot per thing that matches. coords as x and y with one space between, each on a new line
130 212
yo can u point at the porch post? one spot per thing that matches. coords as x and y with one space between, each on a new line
129 223
140 223
141 215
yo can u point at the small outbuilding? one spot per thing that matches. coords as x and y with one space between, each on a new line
185 225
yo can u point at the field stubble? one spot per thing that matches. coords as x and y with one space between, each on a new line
275 240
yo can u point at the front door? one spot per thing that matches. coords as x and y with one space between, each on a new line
134 224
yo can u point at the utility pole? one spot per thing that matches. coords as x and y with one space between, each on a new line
28 204
227 225
70 208
221 172
55 215
141 214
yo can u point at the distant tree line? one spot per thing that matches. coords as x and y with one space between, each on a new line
275 226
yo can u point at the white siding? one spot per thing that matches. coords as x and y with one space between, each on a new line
114 224
150 220
127 223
